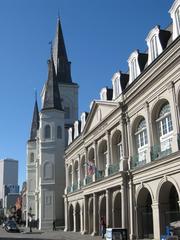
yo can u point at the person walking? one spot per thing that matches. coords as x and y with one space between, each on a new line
102 226
54 225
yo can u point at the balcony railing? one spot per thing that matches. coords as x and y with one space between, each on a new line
69 189
113 168
75 187
88 179
157 153
99 174
136 163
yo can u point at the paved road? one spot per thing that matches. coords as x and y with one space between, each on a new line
49 235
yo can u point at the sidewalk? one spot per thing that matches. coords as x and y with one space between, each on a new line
46 235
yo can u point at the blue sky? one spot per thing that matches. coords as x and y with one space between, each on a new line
99 36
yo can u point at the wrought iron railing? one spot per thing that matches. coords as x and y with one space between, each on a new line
157 153
99 174
88 179
75 187
69 189
113 168
136 162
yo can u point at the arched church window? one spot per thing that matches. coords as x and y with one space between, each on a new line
47 132
59 132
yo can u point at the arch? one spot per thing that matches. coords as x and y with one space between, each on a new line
71 219
102 155
144 185
48 171
47 131
144 214
78 221
117 219
116 146
59 132
168 205
102 207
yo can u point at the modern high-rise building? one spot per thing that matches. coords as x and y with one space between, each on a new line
9 188
48 138
123 158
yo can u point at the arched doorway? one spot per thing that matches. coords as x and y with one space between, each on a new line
90 216
117 219
71 220
144 215
102 208
168 205
78 223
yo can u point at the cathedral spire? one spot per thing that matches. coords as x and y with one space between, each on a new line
51 96
35 122
61 63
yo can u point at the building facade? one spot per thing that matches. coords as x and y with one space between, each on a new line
122 161
48 138
9 188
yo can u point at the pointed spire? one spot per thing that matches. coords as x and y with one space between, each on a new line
61 63
35 121
52 96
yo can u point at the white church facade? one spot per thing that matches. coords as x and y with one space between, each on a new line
48 138
123 158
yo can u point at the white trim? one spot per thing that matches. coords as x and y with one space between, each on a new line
172 12
134 69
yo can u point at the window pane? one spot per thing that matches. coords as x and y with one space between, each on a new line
59 132
169 122
47 131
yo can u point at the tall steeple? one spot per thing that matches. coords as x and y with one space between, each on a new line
61 63
52 98
35 122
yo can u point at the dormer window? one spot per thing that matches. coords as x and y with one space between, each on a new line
83 120
154 45
134 69
70 135
175 15
116 85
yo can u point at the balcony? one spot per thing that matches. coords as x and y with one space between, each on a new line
157 153
99 174
89 179
75 187
69 189
113 168
136 162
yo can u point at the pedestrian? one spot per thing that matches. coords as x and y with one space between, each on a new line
54 225
102 226
30 223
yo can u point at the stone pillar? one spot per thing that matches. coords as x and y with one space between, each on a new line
85 214
131 209
86 167
156 223
81 219
124 161
130 148
79 172
149 131
67 178
174 115
108 155
74 218
123 206
66 213
95 214
108 208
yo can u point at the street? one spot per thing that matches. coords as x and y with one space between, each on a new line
49 235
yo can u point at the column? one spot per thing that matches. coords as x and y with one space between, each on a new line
108 208
174 115
124 162
156 224
108 158
149 131
130 147
67 183
82 219
79 172
95 214
123 206
86 160
85 214
74 218
66 214
131 209
95 160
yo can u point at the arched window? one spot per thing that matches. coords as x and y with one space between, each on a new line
164 120
141 141
47 132
32 157
59 132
